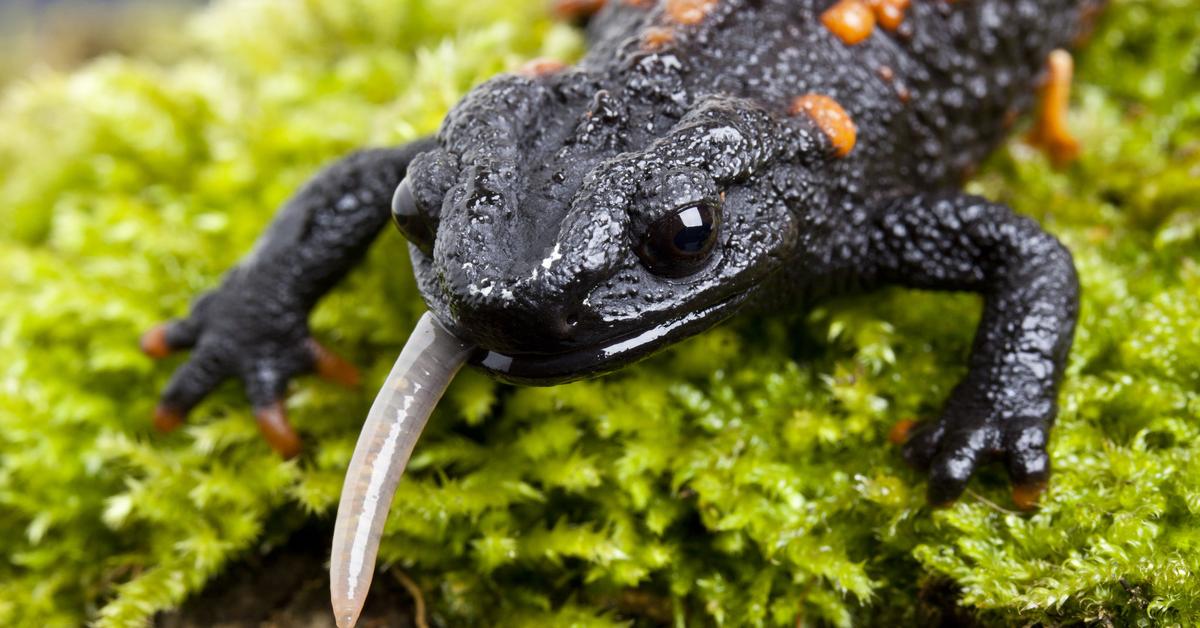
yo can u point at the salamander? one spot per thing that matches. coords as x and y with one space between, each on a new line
705 157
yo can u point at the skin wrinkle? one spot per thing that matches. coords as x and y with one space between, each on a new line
535 190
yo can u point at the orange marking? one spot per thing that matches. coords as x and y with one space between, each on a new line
333 367
273 423
851 21
833 121
657 37
689 12
889 13
641 4
154 342
541 67
576 9
167 420
1027 496
1050 131
900 432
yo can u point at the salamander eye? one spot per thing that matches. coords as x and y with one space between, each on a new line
678 244
412 222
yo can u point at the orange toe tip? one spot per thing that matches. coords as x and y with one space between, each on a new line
1027 496
273 423
167 420
287 449
332 367
353 380
1064 152
1060 148
900 432
344 374
154 342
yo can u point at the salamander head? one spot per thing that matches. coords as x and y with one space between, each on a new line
567 227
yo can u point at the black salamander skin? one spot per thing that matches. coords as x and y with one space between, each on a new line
530 212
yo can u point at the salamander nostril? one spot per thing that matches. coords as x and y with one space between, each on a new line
558 324
412 221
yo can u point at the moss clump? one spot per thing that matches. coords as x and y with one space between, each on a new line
742 477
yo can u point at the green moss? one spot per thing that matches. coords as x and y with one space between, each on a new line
743 477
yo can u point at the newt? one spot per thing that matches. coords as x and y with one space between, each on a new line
705 157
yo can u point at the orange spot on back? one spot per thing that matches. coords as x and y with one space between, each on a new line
889 13
575 9
831 118
541 67
657 37
689 12
851 21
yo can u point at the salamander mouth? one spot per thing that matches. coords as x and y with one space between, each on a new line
606 356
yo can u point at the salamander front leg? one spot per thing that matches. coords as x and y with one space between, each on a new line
1004 407
254 326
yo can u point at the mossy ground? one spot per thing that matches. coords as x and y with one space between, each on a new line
741 478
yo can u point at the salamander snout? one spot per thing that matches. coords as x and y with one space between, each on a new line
525 326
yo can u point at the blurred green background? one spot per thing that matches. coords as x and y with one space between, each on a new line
39 35
742 478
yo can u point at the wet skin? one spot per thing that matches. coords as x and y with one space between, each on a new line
705 157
